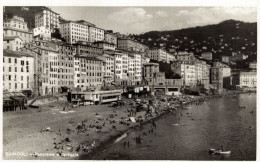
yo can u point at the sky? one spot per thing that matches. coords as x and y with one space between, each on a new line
136 20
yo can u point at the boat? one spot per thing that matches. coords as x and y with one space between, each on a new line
220 152
242 107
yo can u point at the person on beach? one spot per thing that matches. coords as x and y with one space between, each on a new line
128 144
124 144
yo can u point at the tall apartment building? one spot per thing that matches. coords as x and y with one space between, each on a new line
187 71
48 69
47 18
18 71
108 68
88 71
16 26
137 68
216 76
205 74
131 69
74 31
158 54
96 34
66 66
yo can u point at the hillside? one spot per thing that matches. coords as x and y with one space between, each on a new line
220 39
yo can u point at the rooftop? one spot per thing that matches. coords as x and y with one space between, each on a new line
9 53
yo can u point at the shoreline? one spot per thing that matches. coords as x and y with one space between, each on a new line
111 140
133 128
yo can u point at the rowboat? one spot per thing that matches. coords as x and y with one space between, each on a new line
220 152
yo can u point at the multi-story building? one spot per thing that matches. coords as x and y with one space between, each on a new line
137 68
124 66
74 31
13 43
48 70
150 70
226 70
216 76
42 32
158 54
96 34
66 66
205 74
17 27
185 56
88 72
16 22
108 68
187 71
131 69
111 37
47 18
18 71
207 55
247 79
118 67
199 71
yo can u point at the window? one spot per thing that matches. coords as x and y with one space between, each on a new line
21 69
21 85
22 62
10 77
15 85
21 77
10 69
9 60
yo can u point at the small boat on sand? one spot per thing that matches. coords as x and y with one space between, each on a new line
220 152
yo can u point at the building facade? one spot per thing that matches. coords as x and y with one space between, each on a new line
47 18
18 71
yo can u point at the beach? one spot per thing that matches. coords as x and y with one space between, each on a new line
51 133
